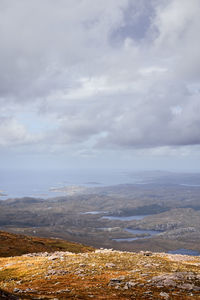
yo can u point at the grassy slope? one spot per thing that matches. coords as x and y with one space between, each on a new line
87 275
14 245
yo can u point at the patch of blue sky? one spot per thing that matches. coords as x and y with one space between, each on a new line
136 22
35 123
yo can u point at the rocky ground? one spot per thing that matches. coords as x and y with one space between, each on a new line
103 274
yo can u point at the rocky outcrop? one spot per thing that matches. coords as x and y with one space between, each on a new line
183 280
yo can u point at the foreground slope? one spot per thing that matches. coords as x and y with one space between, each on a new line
15 244
103 274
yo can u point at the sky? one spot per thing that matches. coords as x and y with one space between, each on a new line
100 84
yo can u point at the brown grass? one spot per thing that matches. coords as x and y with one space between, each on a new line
87 275
15 244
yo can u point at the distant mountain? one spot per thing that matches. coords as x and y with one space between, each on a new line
165 177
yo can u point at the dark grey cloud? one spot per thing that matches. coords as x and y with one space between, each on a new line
105 74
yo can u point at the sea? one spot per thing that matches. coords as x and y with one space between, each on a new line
46 183
43 183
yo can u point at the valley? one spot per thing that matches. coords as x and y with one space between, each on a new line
121 217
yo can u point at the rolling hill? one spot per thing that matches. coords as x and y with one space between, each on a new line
79 272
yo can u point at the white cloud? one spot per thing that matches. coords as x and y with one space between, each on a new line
85 66
13 133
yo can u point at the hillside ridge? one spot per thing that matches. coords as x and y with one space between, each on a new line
101 274
17 244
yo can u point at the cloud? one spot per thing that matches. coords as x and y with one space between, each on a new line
13 133
112 74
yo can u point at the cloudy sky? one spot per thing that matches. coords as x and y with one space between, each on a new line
110 83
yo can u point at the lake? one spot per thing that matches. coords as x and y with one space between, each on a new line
125 218
184 252
93 212
145 234
148 233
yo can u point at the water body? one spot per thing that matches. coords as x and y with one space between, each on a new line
190 185
124 218
148 233
185 252
37 183
34 183
93 212
141 231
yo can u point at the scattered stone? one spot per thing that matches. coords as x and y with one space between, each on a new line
146 253
79 271
82 265
125 287
116 281
16 290
148 293
58 254
186 286
10 264
129 285
62 291
148 265
53 257
56 272
19 282
164 295
30 290
117 287
110 265
182 280
51 272
134 271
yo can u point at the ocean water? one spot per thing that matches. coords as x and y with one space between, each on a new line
31 183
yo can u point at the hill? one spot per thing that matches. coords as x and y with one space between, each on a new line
103 274
15 245
101 216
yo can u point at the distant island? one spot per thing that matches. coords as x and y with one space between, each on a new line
71 189
93 183
2 194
